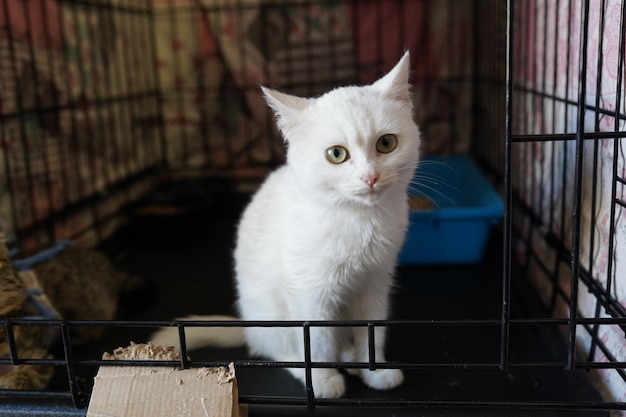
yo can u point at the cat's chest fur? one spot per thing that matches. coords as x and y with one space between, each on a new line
341 240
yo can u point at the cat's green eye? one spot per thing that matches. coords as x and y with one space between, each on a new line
386 143
337 154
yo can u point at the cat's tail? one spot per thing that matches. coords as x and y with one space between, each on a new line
199 337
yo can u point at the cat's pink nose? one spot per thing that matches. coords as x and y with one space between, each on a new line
371 180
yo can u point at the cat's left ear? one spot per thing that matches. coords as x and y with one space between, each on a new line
395 83
287 108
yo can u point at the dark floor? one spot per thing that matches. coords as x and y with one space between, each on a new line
187 258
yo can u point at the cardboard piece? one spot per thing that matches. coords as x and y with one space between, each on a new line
162 391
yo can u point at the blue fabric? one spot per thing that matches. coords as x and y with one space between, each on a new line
42 256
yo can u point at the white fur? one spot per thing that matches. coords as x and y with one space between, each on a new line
197 337
317 242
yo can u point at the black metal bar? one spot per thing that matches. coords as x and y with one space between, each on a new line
127 7
371 345
578 187
508 215
442 366
105 135
244 87
533 105
129 68
552 176
71 104
560 137
379 39
110 101
42 143
182 340
56 103
567 101
444 404
620 202
617 320
173 15
475 144
612 364
202 97
543 127
526 102
157 85
75 164
564 177
21 112
403 404
77 398
615 176
86 142
267 122
308 380
10 181
53 362
227 141
402 15
63 395
11 342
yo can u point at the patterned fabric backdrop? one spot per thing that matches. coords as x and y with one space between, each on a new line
66 135
92 96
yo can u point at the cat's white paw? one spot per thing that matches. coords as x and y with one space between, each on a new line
349 355
328 383
382 379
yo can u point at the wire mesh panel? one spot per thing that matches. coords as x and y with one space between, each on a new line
568 121
79 113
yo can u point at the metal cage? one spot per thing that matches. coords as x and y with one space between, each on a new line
103 101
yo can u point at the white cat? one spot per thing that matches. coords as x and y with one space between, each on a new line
320 238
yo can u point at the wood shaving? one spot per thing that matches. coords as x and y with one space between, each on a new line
222 374
142 351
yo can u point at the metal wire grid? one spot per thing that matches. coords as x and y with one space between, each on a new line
80 395
518 33
580 140
43 116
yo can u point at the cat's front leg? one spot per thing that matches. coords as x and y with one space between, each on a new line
327 382
372 304
380 379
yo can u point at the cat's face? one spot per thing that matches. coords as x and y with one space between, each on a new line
354 143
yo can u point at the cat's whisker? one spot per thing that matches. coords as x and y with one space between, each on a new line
431 162
439 181
435 179
420 194
433 189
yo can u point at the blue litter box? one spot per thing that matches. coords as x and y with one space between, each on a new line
457 209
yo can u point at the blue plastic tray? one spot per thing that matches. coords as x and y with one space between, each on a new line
464 208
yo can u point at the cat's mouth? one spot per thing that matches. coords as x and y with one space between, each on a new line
369 193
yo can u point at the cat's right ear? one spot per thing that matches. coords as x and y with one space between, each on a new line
287 108
395 83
